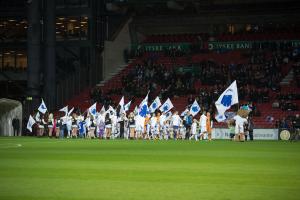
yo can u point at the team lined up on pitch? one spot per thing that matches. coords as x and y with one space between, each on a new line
146 122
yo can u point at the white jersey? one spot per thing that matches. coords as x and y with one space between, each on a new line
88 122
153 122
203 119
114 120
69 121
64 120
162 120
194 128
139 123
176 120
100 119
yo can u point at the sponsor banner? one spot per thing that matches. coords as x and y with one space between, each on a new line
248 44
258 134
213 45
162 46
230 45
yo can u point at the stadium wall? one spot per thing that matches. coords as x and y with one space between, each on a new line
113 54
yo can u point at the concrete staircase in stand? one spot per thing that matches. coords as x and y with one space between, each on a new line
288 78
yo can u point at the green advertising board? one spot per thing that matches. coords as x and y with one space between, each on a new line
247 44
162 46
212 45
230 45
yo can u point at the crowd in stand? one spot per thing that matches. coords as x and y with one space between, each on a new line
254 80
286 101
296 70
291 122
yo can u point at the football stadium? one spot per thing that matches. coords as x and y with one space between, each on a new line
149 99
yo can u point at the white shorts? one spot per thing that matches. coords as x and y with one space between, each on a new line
41 126
139 128
108 126
239 129
203 129
132 126
50 126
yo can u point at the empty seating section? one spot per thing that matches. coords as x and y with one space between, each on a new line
189 38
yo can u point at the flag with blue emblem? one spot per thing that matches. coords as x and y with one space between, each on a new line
155 104
195 108
127 106
42 108
143 107
30 123
228 98
185 112
92 109
220 117
166 106
168 115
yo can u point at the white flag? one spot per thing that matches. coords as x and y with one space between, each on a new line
228 98
144 100
168 115
37 116
155 104
42 107
121 103
166 106
111 111
127 106
184 112
30 123
93 110
195 108
69 113
135 110
102 109
64 109
220 117
143 108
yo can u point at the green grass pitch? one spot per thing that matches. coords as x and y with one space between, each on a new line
42 168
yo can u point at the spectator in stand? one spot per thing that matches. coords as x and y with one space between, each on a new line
283 124
190 100
296 127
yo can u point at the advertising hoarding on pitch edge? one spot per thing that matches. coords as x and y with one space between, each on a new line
258 134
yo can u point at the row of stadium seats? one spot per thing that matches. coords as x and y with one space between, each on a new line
259 36
189 38
193 38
